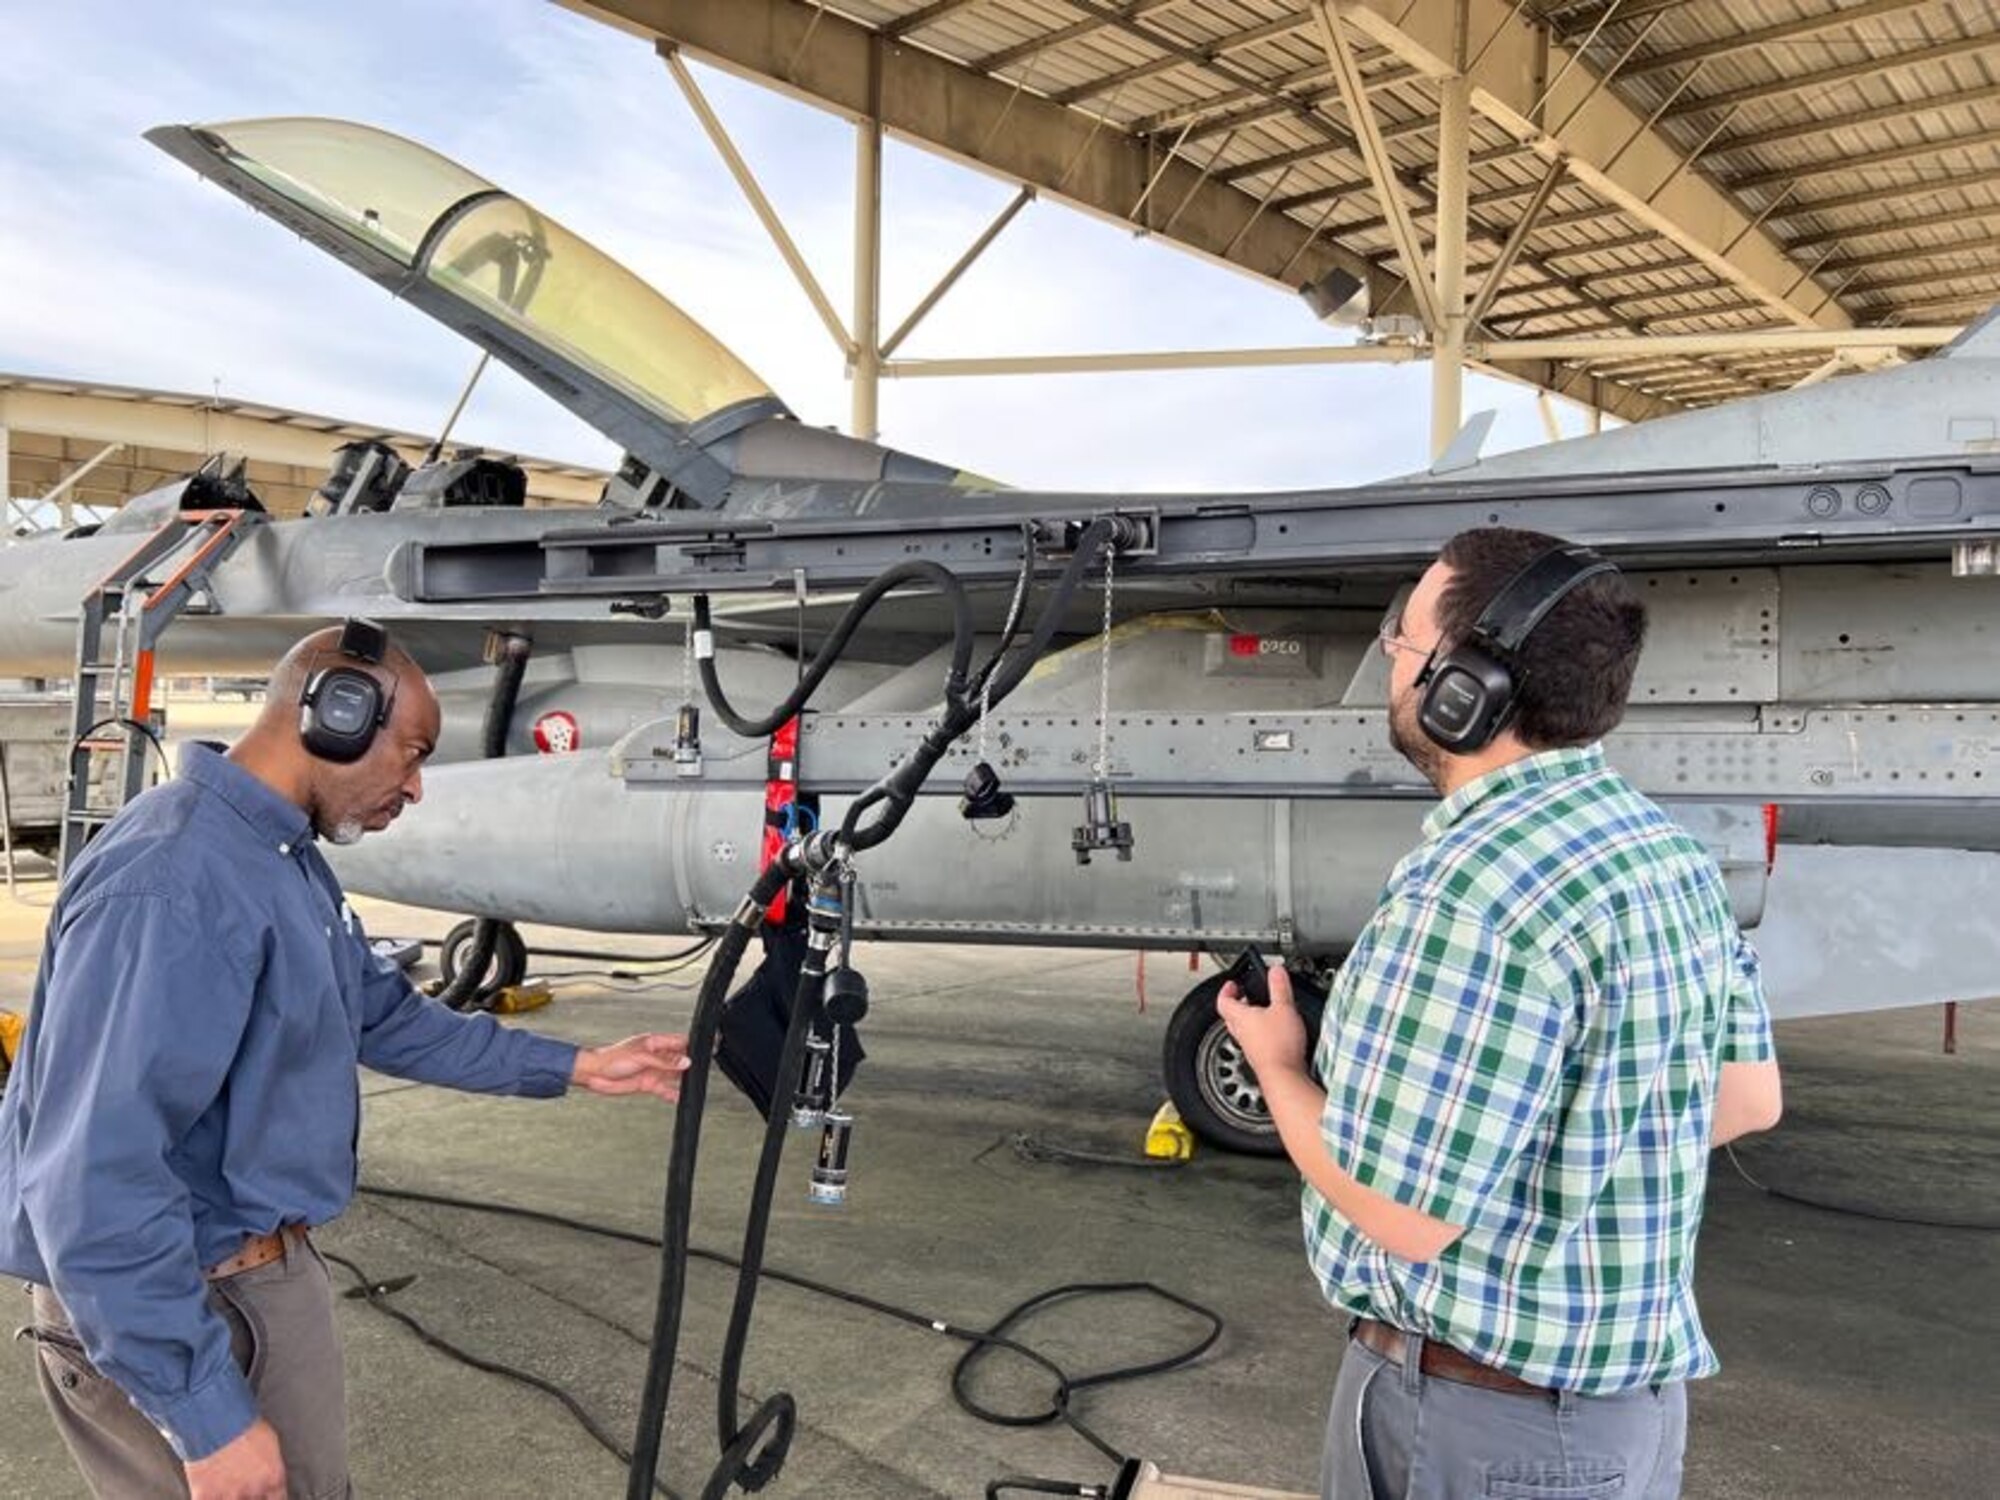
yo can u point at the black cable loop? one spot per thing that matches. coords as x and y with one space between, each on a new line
899 788
992 1339
917 570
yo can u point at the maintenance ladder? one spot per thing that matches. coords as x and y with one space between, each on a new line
113 710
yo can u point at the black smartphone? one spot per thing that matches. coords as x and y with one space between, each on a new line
1252 976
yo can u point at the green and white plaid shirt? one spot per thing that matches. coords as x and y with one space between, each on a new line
1526 1041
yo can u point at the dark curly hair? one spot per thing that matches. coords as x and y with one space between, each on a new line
1575 671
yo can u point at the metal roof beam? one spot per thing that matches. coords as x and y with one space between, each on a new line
1175 53
1903 224
1610 146
1517 241
1177 57
1895 193
1839 166
1577 21
1799 83
718 135
928 15
1006 57
1943 307
1944 277
1381 168
1752 41
992 125
1757 341
1902 257
1285 88
1915 109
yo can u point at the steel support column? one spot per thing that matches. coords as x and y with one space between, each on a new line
1549 423
866 364
1448 347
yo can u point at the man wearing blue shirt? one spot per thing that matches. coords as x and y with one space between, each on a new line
185 1102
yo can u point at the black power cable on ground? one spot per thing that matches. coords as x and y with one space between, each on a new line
981 1342
1858 1210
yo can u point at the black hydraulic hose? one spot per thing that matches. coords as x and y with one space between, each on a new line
768 1433
467 984
779 1411
677 1215
914 571
1098 537
900 787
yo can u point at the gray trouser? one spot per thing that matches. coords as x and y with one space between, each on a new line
280 1319
1394 1433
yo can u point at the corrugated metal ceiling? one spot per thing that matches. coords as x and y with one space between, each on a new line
1862 137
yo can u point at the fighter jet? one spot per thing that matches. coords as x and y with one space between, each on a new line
1199 763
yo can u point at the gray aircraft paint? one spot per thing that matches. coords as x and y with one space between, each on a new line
1859 688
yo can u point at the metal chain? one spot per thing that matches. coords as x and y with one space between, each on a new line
687 662
985 708
1103 769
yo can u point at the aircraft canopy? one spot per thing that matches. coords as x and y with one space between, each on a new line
487 248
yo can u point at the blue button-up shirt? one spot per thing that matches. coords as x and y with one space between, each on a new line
188 1078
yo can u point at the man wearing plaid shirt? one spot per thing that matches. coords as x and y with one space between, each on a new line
1548 1022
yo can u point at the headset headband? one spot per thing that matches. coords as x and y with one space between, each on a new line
363 640
1525 600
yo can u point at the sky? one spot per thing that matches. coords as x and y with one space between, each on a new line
117 264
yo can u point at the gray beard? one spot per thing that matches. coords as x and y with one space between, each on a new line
346 831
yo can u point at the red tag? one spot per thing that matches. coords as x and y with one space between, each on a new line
1244 645
556 733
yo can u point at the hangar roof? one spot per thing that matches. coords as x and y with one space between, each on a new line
50 429
1636 167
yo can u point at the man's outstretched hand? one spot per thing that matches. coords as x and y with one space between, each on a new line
650 1064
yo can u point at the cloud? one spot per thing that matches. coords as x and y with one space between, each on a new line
117 264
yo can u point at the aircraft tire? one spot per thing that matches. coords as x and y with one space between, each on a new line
510 953
1208 1079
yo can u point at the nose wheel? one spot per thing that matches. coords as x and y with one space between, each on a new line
509 964
1210 1081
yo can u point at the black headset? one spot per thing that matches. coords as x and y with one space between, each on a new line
340 707
1471 692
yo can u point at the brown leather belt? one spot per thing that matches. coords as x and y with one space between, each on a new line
1441 1360
258 1250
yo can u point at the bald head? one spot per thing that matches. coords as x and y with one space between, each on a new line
398 672
344 798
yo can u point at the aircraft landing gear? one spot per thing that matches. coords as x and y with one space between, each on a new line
509 964
1207 1077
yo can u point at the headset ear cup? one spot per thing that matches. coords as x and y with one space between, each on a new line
339 713
1469 698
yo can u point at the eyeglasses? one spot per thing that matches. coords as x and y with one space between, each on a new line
1390 634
